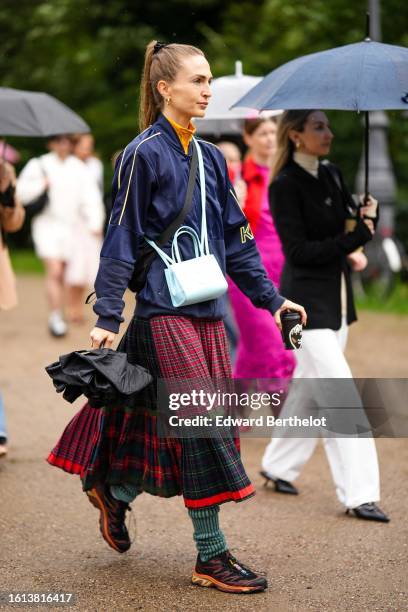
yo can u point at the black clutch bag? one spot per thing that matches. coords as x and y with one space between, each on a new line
37 205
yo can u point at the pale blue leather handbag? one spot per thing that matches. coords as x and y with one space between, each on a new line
199 279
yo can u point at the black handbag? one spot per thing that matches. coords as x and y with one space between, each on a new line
147 253
38 204
34 207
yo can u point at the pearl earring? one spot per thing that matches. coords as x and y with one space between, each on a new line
297 144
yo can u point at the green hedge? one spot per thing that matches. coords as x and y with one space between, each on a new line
26 262
397 303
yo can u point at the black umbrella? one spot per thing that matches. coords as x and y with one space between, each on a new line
104 376
31 113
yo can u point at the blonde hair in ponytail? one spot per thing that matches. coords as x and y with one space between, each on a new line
160 65
290 120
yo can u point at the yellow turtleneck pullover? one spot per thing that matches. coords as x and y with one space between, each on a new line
185 134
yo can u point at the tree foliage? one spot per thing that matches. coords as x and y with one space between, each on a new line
90 54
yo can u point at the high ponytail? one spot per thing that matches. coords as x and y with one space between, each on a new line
159 64
290 120
149 103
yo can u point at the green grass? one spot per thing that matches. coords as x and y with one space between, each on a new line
25 261
397 303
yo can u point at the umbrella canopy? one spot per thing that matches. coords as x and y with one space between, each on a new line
104 376
364 76
226 90
30 113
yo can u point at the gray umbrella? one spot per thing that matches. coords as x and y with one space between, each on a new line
31 113
225 91
361 77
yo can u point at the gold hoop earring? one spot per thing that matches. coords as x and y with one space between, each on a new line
168 100
297 144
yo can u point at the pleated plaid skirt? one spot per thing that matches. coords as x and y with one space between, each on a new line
118 446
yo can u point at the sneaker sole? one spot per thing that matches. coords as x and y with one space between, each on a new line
204 580
97 502
55 335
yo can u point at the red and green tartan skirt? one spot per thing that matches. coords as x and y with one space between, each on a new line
117 446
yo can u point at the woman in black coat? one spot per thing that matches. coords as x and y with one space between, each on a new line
312 208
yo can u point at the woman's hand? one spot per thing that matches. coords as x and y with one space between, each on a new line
102 338
358 261
288 305
369 207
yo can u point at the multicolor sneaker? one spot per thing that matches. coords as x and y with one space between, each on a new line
226 574
112 517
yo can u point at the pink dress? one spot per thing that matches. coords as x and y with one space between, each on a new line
260 352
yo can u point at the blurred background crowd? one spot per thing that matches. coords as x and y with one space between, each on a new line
90 55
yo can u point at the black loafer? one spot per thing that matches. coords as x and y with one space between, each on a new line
281 486
369 512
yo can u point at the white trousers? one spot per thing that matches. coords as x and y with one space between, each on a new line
353 461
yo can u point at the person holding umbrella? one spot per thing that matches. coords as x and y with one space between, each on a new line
55 185
310 204
173 342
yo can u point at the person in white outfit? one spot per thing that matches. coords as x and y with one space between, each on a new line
72 196
312 208
84 149
83 263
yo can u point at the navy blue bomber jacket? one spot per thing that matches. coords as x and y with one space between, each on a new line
149 187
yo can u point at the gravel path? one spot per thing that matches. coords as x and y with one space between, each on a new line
316 557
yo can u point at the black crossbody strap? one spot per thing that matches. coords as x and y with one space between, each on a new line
178 221
336 178
334 173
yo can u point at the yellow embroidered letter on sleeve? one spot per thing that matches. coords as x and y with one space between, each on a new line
246 233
